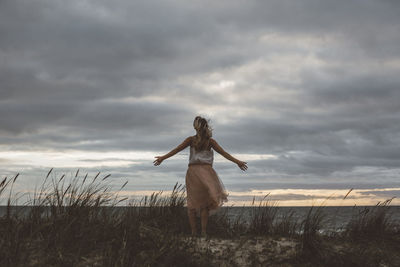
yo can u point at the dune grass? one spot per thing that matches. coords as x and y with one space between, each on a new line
74 223
264 220
77 222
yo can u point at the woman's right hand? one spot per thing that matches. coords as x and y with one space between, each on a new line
158 160
242 165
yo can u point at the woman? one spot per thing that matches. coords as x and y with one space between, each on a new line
205 191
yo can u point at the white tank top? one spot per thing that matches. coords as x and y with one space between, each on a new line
204 156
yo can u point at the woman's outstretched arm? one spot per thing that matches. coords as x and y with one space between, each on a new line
241 164
182 146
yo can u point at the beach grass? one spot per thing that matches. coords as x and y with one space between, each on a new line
75 222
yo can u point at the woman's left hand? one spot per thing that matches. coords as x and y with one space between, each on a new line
158 160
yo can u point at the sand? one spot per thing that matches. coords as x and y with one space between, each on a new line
246 251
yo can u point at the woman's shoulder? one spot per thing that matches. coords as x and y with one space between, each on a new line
190 139
214 144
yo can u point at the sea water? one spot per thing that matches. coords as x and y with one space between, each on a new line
334 218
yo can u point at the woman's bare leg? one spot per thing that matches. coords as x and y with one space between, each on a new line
204 220
192 220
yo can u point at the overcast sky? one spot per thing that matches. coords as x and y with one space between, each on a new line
306 91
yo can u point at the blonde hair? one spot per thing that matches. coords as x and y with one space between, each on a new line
202 139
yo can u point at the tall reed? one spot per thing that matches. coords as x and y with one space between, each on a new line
78 221
372 223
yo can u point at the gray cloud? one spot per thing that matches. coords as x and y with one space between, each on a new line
314 83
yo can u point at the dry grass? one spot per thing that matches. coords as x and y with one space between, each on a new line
76 222
372 223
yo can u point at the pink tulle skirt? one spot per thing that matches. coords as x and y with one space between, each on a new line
204 188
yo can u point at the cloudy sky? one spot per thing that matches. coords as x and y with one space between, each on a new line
306 91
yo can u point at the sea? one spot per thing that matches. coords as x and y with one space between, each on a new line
335 218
